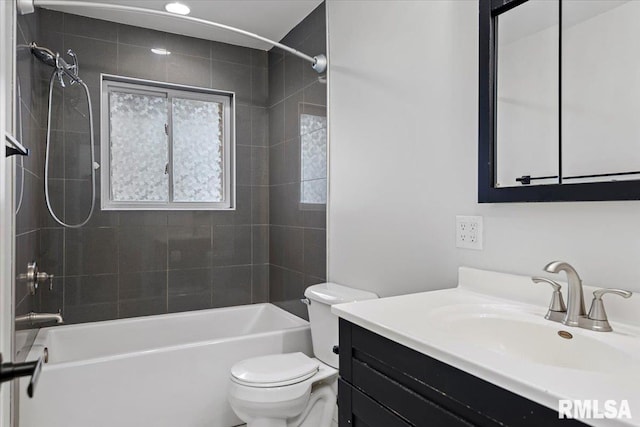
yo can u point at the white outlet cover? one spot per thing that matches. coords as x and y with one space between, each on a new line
469 232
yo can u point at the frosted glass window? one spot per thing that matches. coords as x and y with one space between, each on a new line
139 152
197 151
313 142
165 147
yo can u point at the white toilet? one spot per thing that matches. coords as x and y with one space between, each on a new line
292 389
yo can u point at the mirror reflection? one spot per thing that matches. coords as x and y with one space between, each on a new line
575 118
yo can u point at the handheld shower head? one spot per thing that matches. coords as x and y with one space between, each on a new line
44 55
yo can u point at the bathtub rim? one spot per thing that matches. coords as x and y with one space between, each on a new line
39 343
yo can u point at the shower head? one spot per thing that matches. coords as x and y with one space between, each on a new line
54 60
44 55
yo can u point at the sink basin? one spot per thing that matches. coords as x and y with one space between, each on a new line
529 337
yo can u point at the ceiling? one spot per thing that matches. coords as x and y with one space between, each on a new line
272 19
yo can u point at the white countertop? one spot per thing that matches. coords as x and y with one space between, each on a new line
415 321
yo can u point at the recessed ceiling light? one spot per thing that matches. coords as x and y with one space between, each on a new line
178 8
160 51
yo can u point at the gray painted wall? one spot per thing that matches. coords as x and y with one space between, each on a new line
297 249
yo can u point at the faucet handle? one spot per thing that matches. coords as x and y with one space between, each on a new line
557 302
597 316
601 292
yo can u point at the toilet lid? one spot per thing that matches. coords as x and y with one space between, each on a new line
274 370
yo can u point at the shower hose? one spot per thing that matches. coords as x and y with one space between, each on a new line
48 150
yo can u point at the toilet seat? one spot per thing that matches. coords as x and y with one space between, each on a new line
275 370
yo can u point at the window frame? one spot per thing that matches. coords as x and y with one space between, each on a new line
109 82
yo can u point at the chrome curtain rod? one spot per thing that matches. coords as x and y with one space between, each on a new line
318 62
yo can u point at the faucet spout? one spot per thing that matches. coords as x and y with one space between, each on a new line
575 297
35 318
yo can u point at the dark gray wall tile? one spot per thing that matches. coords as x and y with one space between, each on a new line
277 236
146 285
135 218
90 251
259 127
51 259
142 307
52 300
243 165
315 93
259 58
242 214
276 124
231 245
83 26
292 116
297 253
190 282
260 205
276 164
315 252
138 36
140 62
189 302
243 125
188 70
230 53
79 291
260 242
189 218
260 284
259 166
293 248
276 82
231 286
292 161
259 89
90 313
184 45
190 247
142 249
293 74
232 77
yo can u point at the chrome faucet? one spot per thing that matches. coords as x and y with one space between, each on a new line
574 313
34 318
575 298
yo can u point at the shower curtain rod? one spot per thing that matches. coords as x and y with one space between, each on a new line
318 62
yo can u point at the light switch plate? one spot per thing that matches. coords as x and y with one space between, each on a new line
469 232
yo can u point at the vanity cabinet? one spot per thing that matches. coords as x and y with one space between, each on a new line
385 384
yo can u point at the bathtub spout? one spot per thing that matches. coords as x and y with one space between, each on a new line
34 318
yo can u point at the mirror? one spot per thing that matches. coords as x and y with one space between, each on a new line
559 100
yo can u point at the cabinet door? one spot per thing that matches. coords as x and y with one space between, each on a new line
358 410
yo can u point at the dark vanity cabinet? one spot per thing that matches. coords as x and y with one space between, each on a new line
385 384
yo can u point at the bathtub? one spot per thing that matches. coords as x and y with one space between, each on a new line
169 370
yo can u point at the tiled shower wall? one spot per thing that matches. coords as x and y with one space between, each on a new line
29 127
297 246
128 263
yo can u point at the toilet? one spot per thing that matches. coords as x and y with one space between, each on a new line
293 389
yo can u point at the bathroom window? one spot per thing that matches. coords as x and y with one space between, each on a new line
165 147
313 157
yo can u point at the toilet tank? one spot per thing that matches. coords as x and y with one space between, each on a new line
324 324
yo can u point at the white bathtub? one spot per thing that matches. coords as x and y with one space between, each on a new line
170 370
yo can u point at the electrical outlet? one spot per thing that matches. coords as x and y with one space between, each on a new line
469 232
